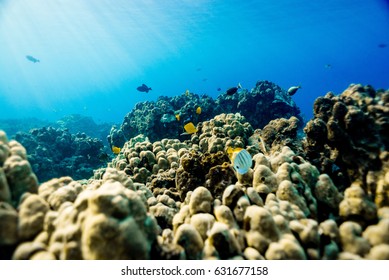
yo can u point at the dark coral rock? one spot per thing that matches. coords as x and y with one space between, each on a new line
209 160
55 152
158 120
76 122
218 178
346 136
199 168
186 182
191 162
265 102
281 132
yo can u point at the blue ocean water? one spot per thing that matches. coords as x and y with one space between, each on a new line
94 54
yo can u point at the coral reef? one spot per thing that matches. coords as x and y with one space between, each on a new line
73 123
347 136
55 152
181 199
166 117
265 102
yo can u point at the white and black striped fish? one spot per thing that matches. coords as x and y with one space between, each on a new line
241 160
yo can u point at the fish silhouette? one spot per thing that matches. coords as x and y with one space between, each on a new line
143 88
32 59
293 90
233 90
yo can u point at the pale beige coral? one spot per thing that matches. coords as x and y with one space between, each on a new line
148 157
4 149
287 191
245 179
190 239
225 243
308 232
254 196
381 183
102 233
264 180
141 175
8 224
65 242
378 234
231 195
310 174
352 240
163 213
19 175
47 188
26 250
279 158
379 252
200 201
5 193
203 223
326 192
115 215
252 254
285 249
32 211
183 216
356 204
43 255
240 208
260 228
330 229
224 215
59 196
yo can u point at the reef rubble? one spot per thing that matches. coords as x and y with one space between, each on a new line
323 196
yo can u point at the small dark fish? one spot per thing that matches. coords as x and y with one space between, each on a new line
293 90
205 79
233 90
218 89
328 66
32 59
382 45
198 69
143 88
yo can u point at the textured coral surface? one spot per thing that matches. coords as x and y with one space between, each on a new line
321 196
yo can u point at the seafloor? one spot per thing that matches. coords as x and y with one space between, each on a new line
318 190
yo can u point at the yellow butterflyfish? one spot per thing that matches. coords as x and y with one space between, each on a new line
198 110
187 92
190 128
178 117
231 151
116 150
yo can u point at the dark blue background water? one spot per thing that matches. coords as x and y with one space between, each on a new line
93 56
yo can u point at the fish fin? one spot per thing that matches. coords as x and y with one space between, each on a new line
230 150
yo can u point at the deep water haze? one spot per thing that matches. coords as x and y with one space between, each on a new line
62 57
